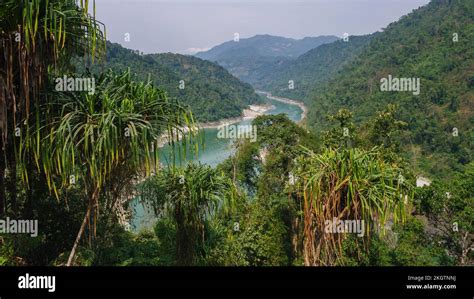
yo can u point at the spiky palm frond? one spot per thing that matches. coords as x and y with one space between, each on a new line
92 136
120 123
347 184
38 36
190 195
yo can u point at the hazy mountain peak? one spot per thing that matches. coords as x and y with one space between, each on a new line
266 45
248 58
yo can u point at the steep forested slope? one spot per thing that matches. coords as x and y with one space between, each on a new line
209 89
421 45
312 69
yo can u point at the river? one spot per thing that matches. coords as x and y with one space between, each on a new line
216 150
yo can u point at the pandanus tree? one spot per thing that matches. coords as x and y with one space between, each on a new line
190 196
108 136
37 37
346 184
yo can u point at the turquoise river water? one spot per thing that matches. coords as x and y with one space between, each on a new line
214 151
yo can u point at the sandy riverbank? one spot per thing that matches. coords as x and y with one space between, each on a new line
287 101
250 113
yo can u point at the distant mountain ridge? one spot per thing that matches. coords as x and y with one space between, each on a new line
267 45
251 59
312 69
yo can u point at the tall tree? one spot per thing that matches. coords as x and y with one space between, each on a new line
346 184
36 37
112 132
189 195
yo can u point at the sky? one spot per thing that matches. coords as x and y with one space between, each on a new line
189 26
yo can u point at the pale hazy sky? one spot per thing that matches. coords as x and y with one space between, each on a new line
186 26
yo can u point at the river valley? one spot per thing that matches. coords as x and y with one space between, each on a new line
216 150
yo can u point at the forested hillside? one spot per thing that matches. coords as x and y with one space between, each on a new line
436 44
336 189
209 89
310 70
253 59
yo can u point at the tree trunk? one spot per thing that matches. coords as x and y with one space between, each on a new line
295 239
79 235
28 206
11 182
465 248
